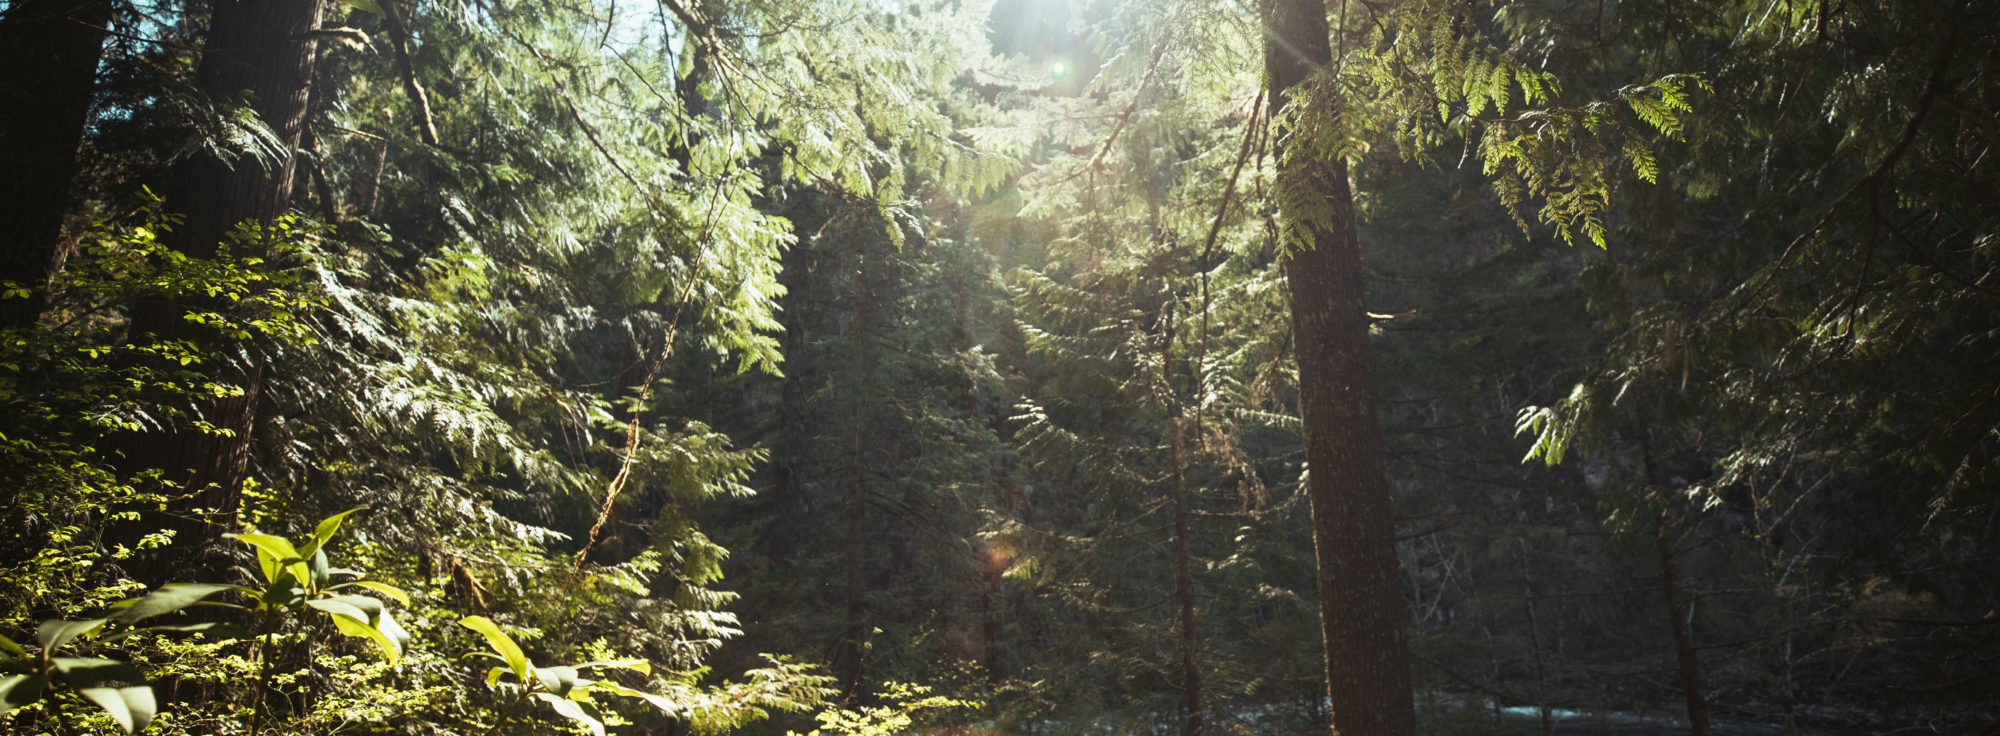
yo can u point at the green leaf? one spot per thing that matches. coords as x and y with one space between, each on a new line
558 680
384 589
322 570
367 5
217 629
658 701
356 627
500 642
388 626
275 553
95 671
339 608
371 606
13 647
574 711
638 665
284 591
167 599
20 690
277 546
54 634
330 525
132 707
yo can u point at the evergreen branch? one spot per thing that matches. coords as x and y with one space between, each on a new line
1933 86
1124 118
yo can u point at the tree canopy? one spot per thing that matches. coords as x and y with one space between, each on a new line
1370 367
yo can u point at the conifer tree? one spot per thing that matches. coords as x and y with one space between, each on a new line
1361 604
42 116
259 55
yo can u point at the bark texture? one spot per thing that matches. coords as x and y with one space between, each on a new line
1361 602
52 48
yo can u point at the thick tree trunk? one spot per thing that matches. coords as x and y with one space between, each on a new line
51 49
1361 603
259 51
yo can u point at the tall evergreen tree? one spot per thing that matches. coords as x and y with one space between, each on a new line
259 55
42 115
1361 611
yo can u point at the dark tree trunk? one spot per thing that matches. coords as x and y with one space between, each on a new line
368 188
991 596
688 90
853 641
1685 654
853 636
1191 700
260 52
1677 617
1361 603
51 49
1184 585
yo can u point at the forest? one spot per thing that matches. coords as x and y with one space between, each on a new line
999 367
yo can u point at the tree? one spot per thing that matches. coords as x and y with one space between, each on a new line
1144 284
262 55
1361 611
42 115
1818 234
1428 70
558 217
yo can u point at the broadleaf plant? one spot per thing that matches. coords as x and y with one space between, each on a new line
562 687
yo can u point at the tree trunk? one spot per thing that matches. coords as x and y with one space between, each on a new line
1677 617
853 637
399 42
1529 595
1685 654
51 48
1361 603
687 88
1184 582
990 598
853 642
1183 562
260 51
